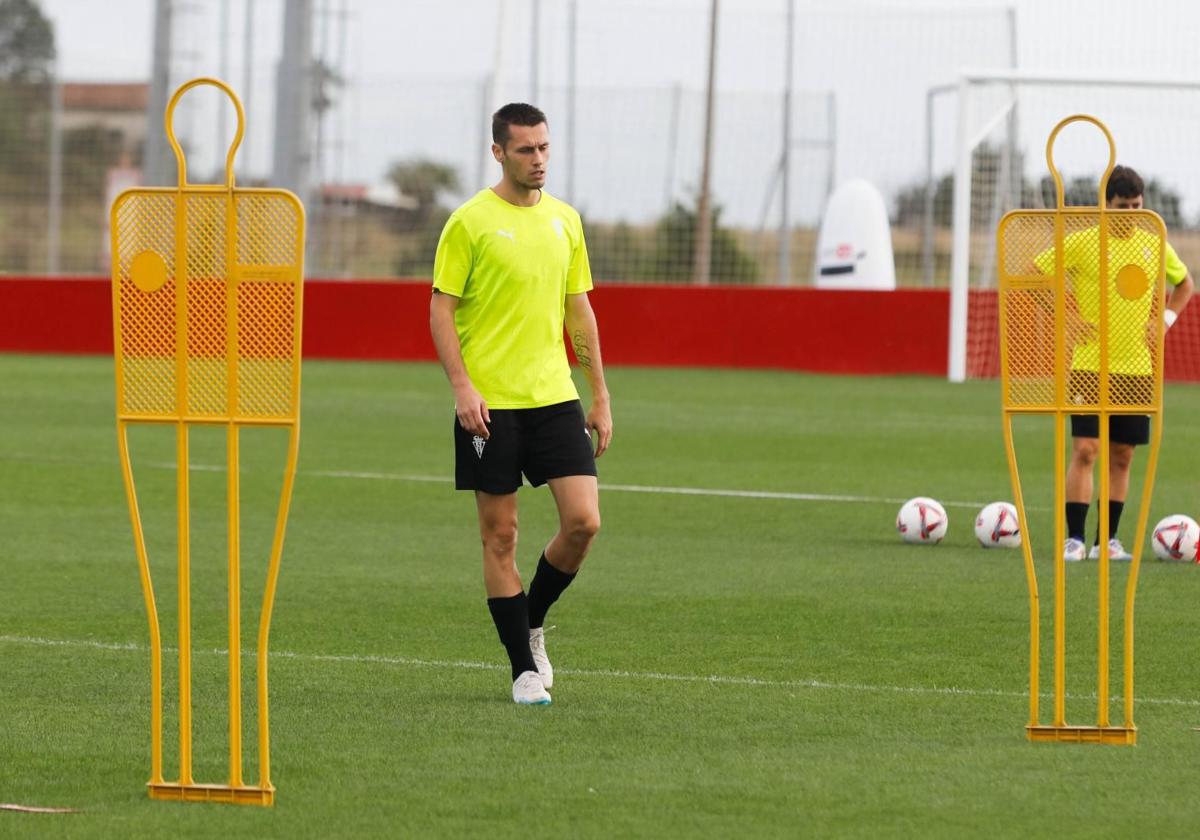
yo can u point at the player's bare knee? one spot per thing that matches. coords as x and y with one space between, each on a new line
581 530
1085 450
500 538
1121 455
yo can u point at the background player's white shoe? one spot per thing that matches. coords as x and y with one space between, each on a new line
528 690
537 646
1116 551
1074 550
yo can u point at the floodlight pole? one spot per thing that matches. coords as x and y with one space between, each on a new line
155 162
223 71
293 150
672 147
703 257
247 78
494 86
534 55
54 206
572 68
785 233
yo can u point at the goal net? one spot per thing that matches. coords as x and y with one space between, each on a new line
1003 122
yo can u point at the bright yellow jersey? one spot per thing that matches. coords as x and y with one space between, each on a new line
1128 351
512 268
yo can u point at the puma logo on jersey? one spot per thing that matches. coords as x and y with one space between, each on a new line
512 237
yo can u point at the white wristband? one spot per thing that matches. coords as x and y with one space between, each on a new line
1170 316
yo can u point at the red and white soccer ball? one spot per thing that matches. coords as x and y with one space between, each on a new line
922 521
1175 538
996 526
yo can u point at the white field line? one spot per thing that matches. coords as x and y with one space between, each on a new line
663 490
652 676
635 488
616 488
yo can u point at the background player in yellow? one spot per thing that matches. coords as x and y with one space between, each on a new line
511 270
1130 362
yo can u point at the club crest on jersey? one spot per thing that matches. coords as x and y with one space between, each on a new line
558 227
478 443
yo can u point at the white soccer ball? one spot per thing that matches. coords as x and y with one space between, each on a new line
1175 538
996 526
922 521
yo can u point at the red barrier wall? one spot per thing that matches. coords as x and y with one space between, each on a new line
59 315
796 329
1180 357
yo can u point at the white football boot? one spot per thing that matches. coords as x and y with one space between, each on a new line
537 646
1116 551
1074 550
528 690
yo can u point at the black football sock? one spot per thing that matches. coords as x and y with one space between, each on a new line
548 583
1076 519
511 616
1114 518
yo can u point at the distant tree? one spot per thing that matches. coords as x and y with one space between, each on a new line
985 181
1166 202
26 73
88 154
1080 191
1085 191
616 252
26 43
1077 192
675 245
425 182
418 247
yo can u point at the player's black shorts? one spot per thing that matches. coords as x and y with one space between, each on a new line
1131 429
543 443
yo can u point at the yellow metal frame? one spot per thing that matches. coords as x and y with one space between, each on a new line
1060 407
264 221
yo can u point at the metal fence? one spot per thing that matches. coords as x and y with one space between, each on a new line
391 155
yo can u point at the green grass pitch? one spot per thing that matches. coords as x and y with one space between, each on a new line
726 665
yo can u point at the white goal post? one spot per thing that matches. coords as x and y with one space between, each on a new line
977 121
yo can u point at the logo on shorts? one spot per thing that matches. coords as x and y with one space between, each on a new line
478 443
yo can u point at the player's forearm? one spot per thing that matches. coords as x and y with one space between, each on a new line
445 339
585 341
1180 295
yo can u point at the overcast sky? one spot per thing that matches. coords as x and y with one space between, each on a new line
416 70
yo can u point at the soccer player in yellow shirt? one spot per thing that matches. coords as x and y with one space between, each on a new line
1130 364
511 271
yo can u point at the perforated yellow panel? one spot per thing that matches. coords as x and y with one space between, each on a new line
207 299
1081 292
229 349
1053 351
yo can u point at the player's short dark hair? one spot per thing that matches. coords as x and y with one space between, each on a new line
514 113
1124 182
